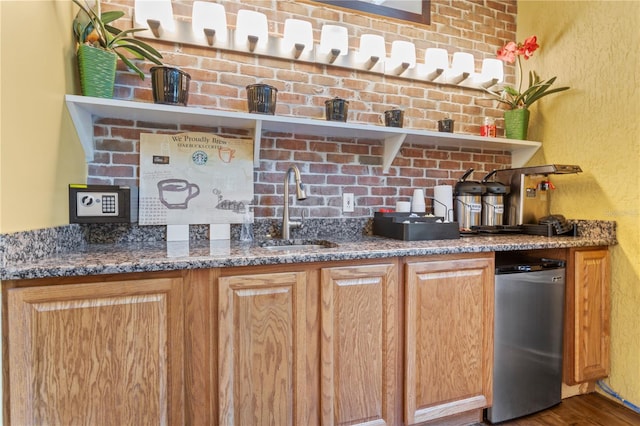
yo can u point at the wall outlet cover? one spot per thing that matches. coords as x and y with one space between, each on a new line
347 202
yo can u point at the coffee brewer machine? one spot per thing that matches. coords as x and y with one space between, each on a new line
530 191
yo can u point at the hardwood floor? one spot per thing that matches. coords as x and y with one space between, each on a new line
582 410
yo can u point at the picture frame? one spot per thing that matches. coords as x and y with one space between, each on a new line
415 11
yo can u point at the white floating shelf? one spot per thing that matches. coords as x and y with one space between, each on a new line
83 109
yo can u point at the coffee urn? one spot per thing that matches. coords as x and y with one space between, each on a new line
468 206
493 197
530 191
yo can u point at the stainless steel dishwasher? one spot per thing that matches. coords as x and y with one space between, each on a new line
529 306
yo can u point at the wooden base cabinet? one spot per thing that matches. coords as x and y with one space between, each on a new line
360 345
587 312
587 315
308 346
98 353
448 336
396 341
262 343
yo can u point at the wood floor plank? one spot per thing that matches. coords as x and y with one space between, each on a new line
591 409
616 412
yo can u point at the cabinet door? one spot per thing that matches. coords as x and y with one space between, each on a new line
588 311
96 354
262 340
360 345
449 337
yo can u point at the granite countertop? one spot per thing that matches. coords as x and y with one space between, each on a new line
94 259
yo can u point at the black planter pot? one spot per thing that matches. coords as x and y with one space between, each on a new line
262 98
336 109
170 85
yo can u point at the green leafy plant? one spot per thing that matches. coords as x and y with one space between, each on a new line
92 27
537 89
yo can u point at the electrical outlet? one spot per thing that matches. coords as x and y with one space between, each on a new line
347 202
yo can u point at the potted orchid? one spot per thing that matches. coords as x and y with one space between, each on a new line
100 45
519 101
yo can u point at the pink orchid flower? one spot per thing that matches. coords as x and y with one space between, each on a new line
508 52
529 46
538 88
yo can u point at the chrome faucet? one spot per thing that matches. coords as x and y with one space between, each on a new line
300 195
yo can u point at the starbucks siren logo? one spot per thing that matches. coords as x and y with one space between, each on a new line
200 158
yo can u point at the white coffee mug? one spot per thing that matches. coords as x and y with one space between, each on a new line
403 206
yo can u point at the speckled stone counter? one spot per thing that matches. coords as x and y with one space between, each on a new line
110 258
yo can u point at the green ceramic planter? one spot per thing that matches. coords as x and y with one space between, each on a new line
516 123
97 71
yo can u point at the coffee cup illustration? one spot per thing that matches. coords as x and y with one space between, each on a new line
226 154
176 193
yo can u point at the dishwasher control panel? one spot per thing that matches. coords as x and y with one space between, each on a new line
102 204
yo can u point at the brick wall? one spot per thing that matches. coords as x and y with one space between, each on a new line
329 166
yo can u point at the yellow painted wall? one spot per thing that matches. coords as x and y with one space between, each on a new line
40 153
592 46
1 312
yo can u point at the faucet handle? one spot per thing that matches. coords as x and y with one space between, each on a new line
296 223
301 219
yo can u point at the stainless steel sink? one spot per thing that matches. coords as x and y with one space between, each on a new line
296 245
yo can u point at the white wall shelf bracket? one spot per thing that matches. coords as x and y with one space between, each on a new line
392 145
83 121
520 156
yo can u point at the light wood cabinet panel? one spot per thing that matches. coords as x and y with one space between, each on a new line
449 336
588 311
96 353
360 345
261 349
200 349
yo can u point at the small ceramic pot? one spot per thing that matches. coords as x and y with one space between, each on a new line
336 109
262 98
394 118
445 125
170 85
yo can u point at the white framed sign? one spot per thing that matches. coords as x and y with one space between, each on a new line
194 178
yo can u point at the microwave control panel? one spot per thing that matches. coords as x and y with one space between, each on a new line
102 204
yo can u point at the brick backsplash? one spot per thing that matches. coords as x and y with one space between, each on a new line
329 166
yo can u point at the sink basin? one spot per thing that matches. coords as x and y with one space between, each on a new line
296 245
